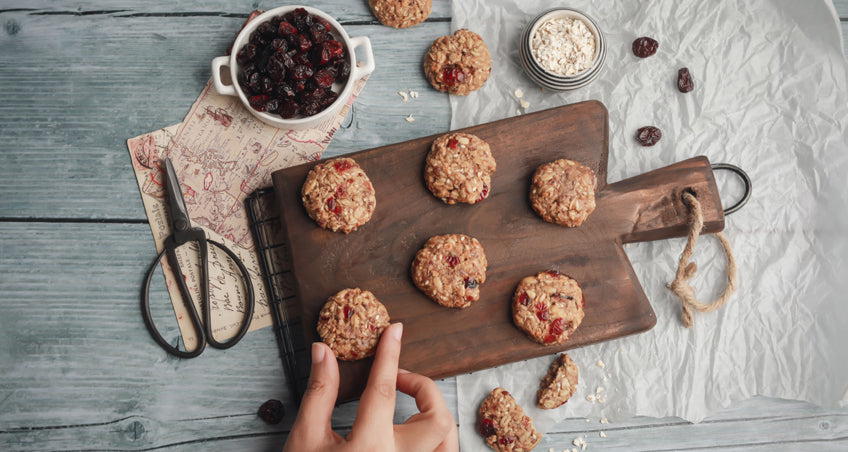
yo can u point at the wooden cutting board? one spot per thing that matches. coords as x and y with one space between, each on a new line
441 342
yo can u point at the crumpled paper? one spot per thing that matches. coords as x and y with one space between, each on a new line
771 96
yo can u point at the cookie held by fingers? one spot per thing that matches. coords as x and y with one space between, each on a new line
351 323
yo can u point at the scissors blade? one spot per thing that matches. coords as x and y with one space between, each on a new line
179 213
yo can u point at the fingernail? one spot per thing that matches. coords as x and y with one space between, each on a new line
317 353
397 331
403 371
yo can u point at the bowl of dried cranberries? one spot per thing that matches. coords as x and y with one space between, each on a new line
293 67
562 49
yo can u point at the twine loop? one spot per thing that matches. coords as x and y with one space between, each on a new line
686 270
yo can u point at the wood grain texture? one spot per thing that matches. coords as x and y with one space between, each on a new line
77 369
440 342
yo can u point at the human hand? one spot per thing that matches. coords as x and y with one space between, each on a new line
432 429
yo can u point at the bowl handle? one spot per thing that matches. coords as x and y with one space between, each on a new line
368 67
217 64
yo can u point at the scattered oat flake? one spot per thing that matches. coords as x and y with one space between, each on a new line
606 378
518 112
413 94
604 420
599 390
519 93
410 118
590 398
601 400
403 96
600 364
603 435
524 104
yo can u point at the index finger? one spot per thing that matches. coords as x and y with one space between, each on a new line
375 414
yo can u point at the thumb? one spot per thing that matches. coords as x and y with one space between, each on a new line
316 408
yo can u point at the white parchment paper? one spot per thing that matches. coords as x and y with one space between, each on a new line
771 96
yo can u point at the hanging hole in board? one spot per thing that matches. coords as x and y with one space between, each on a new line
746 180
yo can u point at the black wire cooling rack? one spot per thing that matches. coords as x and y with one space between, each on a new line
264 218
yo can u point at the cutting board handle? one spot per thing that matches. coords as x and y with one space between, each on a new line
654 201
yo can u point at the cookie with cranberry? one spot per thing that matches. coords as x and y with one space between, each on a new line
351 323
459 168
450 269
563 192
548 307
559 384
401 13
459 63
338 195
503 424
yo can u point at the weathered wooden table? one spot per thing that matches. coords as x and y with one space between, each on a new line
77 368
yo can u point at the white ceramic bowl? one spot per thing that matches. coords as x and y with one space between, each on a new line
350 45
557 82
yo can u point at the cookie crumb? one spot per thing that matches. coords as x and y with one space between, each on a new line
403 96
410 118
413 94
600 364
590 398
518 111
603 435
524 104
601 400
518 93
604 420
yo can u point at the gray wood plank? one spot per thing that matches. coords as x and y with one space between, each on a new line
841 8
76 87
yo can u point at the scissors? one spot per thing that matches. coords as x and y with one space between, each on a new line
183 233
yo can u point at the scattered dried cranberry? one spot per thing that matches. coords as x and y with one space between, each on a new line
452 260
452 74
648 136
273 411
644 47
684 80
342 165
348 311
486 427
470 283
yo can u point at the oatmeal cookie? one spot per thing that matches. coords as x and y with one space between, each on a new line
351 323
401 13
459 168
458 64
503 424
450 269
563 192
548 307
338 195
559 384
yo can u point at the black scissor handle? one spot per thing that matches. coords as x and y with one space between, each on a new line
192 313
745 180
248 308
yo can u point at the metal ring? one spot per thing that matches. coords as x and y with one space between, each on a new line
745 179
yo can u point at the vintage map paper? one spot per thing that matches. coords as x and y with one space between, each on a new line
221 154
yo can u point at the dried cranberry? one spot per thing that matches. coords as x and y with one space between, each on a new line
341 192
247 53
342 165
283 90
470 283
372 327
452 75
288 109
484 192
273 411
452 260
310 108
452 143
318 32
322 21
684 80
524 299
323 78
342 69
557 327
508 439
541 311
550 338
286 29
648 136
301 72
267 85
298 86
255 83
276 68
334 47
258 102
301 42
280 45
257 39
348 311
486 427
553 273
329 97
272 105
266 29
333 206
301 19
644 47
